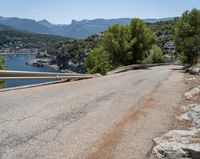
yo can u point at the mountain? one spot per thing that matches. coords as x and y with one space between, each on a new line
83 29
5 27
45 23
77 29
25 24
159 20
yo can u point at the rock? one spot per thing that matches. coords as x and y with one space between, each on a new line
189 95
194 70
181 133
39 62
181 144
191 78
98 75
191 152
196 108
192 114
176 144
188 107
189 116
169 150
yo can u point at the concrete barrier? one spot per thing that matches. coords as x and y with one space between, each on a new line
134 66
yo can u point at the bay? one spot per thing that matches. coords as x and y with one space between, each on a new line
17 62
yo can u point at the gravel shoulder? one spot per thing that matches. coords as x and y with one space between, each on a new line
115 116
183 139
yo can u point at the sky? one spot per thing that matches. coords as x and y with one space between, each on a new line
63 11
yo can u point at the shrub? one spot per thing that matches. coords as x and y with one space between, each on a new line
97 61
155 56
183 58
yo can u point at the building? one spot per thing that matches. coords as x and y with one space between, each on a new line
169 46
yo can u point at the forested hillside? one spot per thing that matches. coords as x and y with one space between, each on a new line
163 31
71 54
15 39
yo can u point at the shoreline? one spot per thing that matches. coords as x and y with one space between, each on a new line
18 53
55 67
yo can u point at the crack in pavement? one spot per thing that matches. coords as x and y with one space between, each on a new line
121 109
109 141
57 123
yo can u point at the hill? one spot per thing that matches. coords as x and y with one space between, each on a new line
77 29
70 54
163 31
13 40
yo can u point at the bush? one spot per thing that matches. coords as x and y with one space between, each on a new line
183 58
97 61
155 56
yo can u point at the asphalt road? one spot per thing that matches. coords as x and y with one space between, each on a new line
109 117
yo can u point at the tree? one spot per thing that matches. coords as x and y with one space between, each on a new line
187 35
121 45
97 61
116 43
142 39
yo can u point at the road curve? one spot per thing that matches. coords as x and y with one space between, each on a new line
109 117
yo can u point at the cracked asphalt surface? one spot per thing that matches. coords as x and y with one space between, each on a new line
109 117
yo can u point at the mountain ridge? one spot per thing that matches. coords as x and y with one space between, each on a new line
77 29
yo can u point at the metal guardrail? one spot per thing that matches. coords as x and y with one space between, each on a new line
26 75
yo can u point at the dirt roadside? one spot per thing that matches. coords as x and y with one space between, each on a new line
183 138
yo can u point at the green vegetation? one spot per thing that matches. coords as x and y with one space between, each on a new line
115 43
73 46
2 67
163 31
123 45
16 39
142 39
187 36
98 61
155 56
120 45
71 54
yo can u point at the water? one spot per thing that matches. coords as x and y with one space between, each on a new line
18 63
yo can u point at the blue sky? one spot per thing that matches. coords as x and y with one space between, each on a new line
63 11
